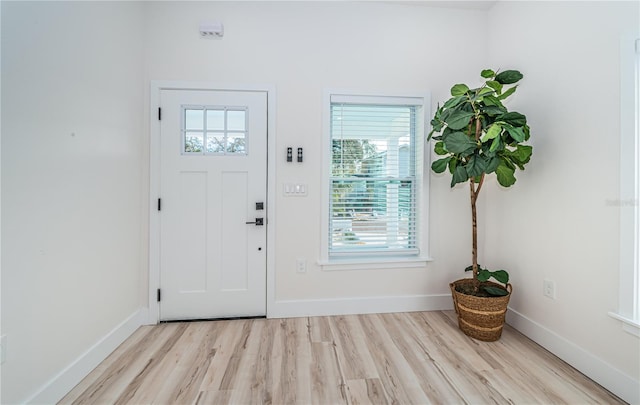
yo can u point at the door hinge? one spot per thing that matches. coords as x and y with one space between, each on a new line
158 295
159 204
159 114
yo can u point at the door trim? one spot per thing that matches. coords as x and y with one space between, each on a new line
154 183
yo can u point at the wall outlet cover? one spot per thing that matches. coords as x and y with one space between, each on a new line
301 265
549 289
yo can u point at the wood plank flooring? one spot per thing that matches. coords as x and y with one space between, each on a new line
402 358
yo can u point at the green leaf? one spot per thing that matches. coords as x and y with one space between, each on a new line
484 91
495 145
484 275
454 102
494 130
453 163
436 126
447 131
507 93
433 131
492 110
480 93
438 113
437 122
500 275
476 166
492 101
458 119
522 154
459 175
470 268
459 143
439 148
487 73
459 89
493 163
440 165
506 160
495 86
517 134
509 77
505 175
495 291
514 118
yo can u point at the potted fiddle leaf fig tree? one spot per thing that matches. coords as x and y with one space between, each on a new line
476 135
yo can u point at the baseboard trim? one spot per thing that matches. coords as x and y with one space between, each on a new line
358 305
598 370
56 388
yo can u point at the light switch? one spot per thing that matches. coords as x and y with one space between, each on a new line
294 189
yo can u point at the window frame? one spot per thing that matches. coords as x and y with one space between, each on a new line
358 261
628 204
225 131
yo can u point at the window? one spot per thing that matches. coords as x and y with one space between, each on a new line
214 130
374 176
629 202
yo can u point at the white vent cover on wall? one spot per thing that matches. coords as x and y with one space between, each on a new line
211 29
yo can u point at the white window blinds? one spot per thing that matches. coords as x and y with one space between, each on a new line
373 182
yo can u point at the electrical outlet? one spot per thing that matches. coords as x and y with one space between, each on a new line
301 265
549 289
3 348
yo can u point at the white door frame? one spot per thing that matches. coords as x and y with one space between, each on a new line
154 183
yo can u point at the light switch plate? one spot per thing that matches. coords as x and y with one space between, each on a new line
294 189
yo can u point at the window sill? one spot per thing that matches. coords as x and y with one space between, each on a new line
373 263
629 325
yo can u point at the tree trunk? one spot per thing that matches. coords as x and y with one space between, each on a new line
474 217
474 230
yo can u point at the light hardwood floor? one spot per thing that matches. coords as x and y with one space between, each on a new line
403 358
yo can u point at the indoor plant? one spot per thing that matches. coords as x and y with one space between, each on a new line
477 135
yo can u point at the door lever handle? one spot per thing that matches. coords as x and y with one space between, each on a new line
257 222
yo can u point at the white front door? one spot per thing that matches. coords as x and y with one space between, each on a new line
213 187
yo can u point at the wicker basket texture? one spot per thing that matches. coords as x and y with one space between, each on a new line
481 318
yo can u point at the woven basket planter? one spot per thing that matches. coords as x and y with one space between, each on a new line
481 318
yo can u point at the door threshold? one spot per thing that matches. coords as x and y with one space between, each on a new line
232 318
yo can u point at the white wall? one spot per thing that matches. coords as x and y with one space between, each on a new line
556 222
302 48
75 158
72 90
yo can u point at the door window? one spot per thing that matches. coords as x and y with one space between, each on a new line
214 130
